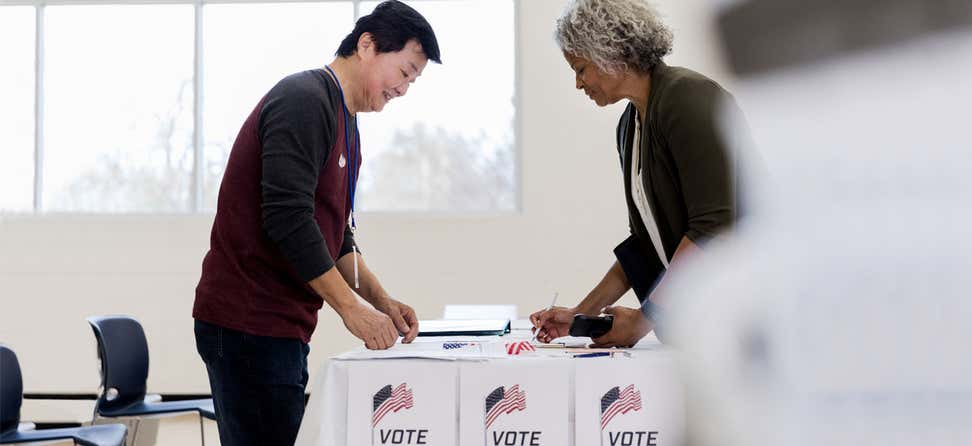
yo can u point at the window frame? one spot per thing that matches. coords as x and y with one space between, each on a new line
196 205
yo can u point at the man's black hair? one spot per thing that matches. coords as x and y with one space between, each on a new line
393 24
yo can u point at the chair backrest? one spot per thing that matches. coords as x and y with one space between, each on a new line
123 351
11 390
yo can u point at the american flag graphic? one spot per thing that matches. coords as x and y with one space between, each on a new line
616 402
502 401
515 348
390 400
455 345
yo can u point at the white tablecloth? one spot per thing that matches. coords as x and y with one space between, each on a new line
541 397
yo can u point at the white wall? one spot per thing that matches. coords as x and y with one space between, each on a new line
56 270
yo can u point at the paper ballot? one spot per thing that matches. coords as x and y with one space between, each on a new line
451 350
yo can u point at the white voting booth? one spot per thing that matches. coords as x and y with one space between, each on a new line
640 405
496 390
514 402
410 406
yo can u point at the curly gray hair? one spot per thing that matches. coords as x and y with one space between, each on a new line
614 34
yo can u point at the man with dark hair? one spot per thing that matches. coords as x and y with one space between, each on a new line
283 238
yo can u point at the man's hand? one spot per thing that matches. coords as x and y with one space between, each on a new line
628 328
552 324
371 326
403 316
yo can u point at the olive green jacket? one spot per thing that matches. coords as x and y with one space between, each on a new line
687 167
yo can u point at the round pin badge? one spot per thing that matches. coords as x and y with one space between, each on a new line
341 161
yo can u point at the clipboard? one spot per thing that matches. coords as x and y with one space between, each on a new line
464 327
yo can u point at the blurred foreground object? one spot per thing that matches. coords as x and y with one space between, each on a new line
841 315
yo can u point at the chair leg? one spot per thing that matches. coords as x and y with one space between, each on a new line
202 432
138 422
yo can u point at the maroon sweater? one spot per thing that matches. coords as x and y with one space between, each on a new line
282 212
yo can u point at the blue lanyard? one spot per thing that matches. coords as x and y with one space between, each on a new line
352 156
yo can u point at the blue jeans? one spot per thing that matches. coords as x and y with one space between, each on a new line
257 383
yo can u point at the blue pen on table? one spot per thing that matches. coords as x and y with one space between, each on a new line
552 303
593 355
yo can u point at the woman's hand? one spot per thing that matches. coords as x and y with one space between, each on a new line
628 328
553 323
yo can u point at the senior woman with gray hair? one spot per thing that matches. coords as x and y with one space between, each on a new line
679 175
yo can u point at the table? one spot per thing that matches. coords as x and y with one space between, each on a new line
527 398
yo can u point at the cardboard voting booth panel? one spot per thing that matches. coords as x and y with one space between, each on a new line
514 403
400 402
637 404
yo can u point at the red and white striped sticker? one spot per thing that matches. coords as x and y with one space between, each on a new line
516 348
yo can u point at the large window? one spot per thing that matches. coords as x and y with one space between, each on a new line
17 108
141 100
118 111
448 145
242 65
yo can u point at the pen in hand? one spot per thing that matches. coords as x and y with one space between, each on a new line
552 303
